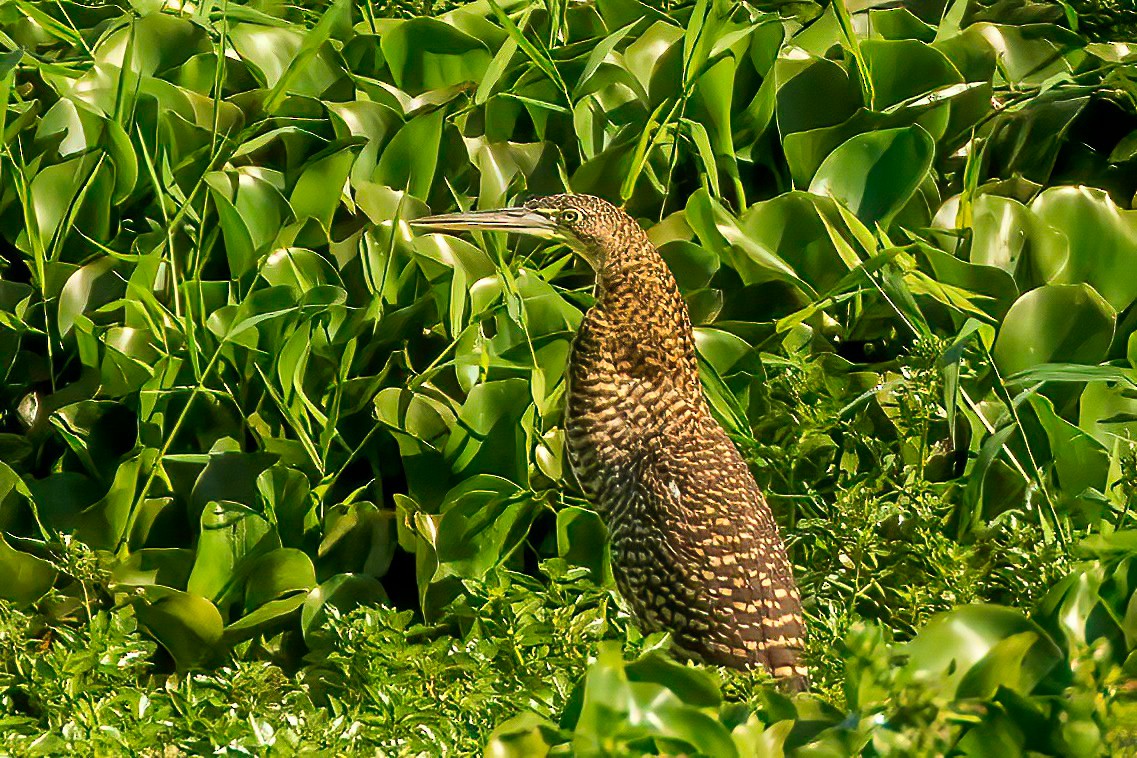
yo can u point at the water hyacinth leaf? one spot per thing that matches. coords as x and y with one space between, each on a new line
1081 461
103 524
231 474
164 566
299 269
421 426
692 265
343 592
187 625
618 711
427 54
1033 53
875 174
903 70
523 736
1102 240
980 290
273 614
271 51
755 738
89 287
803 84
963 650
315 194
484 520
53 192
232 537
374 121
720 233
158 43
489 438
239 246
278 573
359 538
1007 234
408 162
1056 323
26 577
693 686
581 540
795 229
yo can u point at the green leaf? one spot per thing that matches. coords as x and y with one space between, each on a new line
617 711
318 190
582 541
164 566
232 537
1102 240
904 70
489 438
1056 323
1007 234
187 625
1081 461
427 54
409 160
26 577
875 174
276 574
342 592
974 649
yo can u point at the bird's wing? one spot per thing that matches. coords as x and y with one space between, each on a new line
734 550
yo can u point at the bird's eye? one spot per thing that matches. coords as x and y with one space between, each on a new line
570 216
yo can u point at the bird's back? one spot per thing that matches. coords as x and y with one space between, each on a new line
695 549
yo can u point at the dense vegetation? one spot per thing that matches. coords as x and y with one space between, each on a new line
275 474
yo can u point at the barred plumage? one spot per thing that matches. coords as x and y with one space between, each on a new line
695 549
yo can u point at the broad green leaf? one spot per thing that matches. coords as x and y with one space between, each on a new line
427 54
1007 234
165 566
232 537
318 190
481 529
342 592
90 287
187 625
721 233
358 538
1080 460
1102 240
1108 411
904 70
26 577
875 174
489 438
581 540
971 650
278 573
1056 323
617 711
408 162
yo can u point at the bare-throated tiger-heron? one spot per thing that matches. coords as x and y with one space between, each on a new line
695 549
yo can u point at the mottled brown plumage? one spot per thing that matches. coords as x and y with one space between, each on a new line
695 549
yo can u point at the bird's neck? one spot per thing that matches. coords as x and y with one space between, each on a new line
641 308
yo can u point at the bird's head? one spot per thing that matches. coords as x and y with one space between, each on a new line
589 225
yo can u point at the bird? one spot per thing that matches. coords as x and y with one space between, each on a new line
695 549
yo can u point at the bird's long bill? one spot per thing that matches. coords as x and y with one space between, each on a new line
517 220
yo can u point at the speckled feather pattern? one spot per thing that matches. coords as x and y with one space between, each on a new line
695 549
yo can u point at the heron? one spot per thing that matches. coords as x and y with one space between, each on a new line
695 549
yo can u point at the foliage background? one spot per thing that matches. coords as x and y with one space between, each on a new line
240 400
